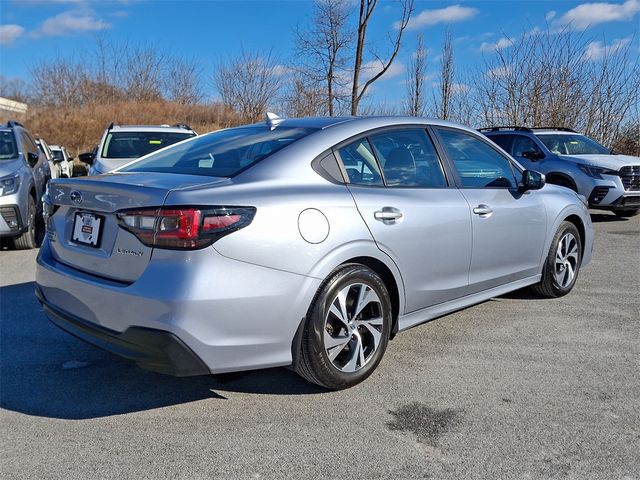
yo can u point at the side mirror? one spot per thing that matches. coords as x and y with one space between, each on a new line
532 180
533 155
87 158
32 159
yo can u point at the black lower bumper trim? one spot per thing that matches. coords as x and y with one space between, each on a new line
152 349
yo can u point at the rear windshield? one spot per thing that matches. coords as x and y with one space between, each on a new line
566 144
137 144
220 154
7 145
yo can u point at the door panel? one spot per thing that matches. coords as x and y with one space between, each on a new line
508 241
430 242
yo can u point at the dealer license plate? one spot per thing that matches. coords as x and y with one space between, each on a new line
86 229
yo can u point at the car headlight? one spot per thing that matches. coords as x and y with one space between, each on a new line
9 185
596 172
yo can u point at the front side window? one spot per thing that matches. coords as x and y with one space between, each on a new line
572 144
408 159
478 164
8 148
220 154
360 163
137 144
522 144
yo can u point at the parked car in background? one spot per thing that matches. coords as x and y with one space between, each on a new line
567 158
304 242
23 178
51 169
122 143
64 160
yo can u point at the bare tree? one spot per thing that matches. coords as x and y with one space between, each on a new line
321 50
14 89
367 7
415 80
143 76
304 97
183 83
444 100
59 82
248 83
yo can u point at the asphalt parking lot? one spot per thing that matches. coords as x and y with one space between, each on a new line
517 387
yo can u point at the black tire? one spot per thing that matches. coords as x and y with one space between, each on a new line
550 286
626 213
28 239
313 362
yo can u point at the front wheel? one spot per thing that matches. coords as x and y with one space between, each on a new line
28 239
626 213
560 270
346 330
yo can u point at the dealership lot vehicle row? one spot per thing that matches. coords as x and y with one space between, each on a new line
516 387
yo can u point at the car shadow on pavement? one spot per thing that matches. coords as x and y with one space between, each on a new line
606 217
47 372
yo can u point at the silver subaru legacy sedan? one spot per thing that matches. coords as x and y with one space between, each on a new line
303 242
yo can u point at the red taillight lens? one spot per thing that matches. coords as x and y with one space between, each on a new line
184 228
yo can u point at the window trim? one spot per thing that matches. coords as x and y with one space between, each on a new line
425 128
458 180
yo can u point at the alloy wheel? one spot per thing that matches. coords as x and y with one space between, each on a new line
566 262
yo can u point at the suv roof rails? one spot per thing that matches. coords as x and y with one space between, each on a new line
111 125
13 123
560 129
182 125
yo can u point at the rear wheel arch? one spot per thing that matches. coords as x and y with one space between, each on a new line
389 280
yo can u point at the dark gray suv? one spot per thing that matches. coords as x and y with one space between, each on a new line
23 179
567 158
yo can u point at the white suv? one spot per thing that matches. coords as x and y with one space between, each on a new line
62 158
122 143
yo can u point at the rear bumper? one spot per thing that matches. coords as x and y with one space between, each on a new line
151 349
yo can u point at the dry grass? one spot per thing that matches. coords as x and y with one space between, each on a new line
79 129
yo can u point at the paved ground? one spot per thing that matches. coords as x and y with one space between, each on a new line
517 387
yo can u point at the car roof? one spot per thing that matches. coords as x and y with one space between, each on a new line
150 128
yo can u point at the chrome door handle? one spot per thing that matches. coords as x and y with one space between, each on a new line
387 214
483 209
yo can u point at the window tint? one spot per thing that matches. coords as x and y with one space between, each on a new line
504 141
360 163
408 159
523 144
478 165
137 144
220 154
8 148
29 143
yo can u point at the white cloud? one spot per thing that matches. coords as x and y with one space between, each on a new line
499 45
370 69
550 15
458 88
280 70
589 14
68 23
598 50
9 33
500 72
451 14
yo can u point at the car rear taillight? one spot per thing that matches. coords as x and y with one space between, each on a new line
184 227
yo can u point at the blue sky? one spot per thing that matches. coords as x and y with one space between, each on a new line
33 30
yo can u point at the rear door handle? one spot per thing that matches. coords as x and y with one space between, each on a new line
387 214
483 209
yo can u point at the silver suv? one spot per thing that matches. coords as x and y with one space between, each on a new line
23 178
121 144
572 160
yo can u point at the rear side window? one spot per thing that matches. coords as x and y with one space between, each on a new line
220 154
478 165
360 163
408 159
8 148
522 144
137 144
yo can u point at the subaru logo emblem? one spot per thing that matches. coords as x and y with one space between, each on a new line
76 197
